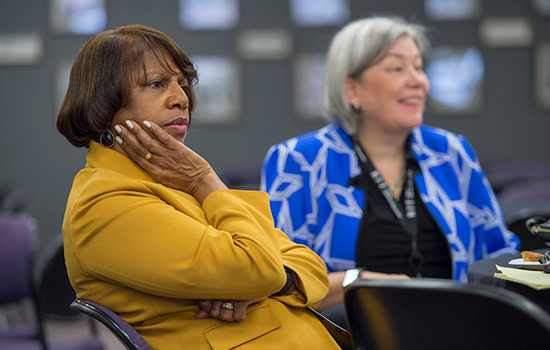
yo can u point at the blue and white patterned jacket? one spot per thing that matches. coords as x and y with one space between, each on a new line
307 181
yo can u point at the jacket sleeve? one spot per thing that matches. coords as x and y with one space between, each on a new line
125 234
310 271
486 217
285 178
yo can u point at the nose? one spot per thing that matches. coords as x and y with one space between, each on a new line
417 78
177 97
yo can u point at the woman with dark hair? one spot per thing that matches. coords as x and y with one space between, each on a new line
376 189
152 233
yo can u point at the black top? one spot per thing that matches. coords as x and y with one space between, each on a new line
383 245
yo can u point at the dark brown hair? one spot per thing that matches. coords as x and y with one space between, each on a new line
102 76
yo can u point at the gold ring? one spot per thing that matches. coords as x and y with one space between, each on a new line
227 306
148 156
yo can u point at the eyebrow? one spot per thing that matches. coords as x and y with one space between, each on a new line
166 74
401 57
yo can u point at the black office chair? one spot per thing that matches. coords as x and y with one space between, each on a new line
442 314
540 228
124 332
53 293
53 288
521 201
46 292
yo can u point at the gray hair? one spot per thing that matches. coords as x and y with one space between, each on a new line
356 47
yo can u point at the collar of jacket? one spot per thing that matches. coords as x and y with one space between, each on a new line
100 157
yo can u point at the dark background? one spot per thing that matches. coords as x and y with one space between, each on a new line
39 164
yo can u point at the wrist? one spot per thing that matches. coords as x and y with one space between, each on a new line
208 184
289 284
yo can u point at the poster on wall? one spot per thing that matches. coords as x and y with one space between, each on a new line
264 44
452 10
542 76
308 75
456 80
78 16
516 31
209 14
542 7
61 83
21 49
318 13
219 92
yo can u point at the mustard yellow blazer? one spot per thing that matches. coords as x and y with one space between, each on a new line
148 252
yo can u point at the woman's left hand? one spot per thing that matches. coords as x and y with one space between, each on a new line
216 309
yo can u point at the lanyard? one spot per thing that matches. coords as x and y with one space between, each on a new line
406 217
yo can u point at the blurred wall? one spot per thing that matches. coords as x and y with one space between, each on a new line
39 163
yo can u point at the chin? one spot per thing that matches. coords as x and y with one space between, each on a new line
179 137
416 121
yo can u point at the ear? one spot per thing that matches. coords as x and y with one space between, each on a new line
352 93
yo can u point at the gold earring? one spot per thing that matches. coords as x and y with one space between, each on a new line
107 139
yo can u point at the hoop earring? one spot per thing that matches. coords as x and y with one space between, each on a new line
107 139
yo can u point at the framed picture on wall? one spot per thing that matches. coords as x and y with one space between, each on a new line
452 10
77 16
61 83
318 13
219 91
456 80
308 75
542 75
21 49
264 44
515 31
209 14
542 7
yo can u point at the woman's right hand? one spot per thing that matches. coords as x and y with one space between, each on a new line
171 162
214 309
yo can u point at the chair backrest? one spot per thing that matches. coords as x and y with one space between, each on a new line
18 238
523 200
442 314
17 249
17 257
53 289
125 333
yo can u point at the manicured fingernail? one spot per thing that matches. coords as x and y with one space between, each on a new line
118 139
147 124
130 125
118 129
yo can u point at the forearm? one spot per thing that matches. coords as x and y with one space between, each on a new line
335 294
197 258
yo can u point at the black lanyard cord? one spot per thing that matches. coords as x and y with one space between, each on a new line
408 220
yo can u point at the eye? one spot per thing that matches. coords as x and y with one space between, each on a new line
156 84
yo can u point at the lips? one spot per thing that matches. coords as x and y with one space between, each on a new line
179 125
411 100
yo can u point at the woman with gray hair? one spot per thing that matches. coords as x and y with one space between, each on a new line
376 189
